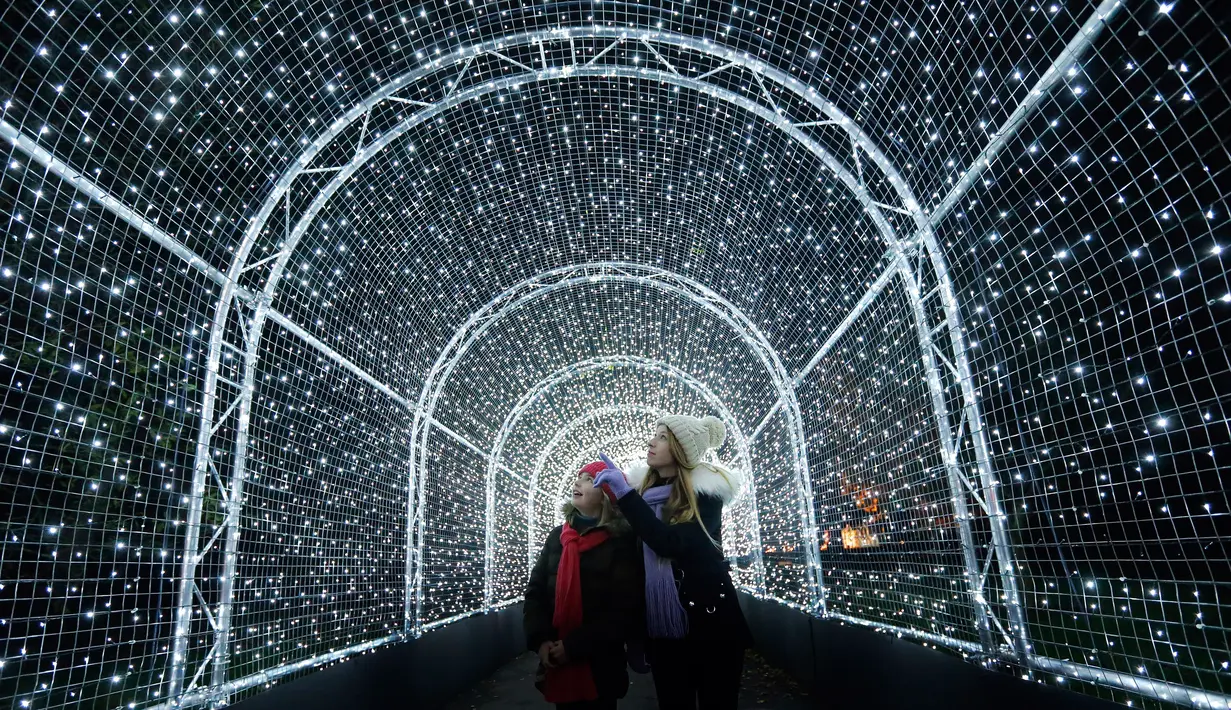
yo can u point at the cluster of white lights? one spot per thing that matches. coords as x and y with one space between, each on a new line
1004 407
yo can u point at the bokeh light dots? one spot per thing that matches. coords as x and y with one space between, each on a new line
152 151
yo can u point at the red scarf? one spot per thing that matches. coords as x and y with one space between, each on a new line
572 682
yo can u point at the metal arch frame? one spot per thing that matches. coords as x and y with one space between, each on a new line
811 538
984 488
564 278
579 369
364 153
924 238
231 289
949 444
282 188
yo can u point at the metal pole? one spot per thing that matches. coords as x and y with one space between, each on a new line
222 634
192 532
200 476
1053 75
948 451
989 484
489 533
896 257
80 182
420 523
410 620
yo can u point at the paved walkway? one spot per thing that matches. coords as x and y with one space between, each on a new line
512 688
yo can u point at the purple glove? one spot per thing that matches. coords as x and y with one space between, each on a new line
613 479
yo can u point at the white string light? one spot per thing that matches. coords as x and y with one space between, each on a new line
952 276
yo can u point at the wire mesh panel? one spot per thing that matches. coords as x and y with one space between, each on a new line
893 545
453 536
1096 297
101 369
323 538
780 506
706 200
548 330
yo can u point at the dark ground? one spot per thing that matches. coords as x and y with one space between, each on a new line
512 686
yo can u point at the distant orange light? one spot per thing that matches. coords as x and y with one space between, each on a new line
855 538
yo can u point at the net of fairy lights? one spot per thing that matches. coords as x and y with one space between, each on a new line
101 361
566 357
1086 261
890 536
1090 262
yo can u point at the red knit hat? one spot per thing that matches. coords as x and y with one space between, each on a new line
593 469
596 468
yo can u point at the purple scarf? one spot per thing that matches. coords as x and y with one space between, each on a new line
664 614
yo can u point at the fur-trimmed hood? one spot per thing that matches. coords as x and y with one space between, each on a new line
706 480
619 526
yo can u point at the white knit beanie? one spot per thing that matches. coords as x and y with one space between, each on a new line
695 435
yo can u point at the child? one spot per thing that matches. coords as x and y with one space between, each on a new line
696 629
583 600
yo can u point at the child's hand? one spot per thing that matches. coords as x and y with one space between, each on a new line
545 653
557 653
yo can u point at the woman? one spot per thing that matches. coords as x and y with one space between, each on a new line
696 631
583 599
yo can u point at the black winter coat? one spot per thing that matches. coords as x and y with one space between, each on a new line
702 575
612 600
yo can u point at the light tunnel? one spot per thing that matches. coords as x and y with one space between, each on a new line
312 311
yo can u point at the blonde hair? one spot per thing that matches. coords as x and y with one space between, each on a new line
682 502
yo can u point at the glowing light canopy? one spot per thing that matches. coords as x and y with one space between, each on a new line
311 313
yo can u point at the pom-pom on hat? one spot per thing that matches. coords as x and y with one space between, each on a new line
696 436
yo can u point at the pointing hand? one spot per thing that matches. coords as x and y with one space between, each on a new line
612 480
